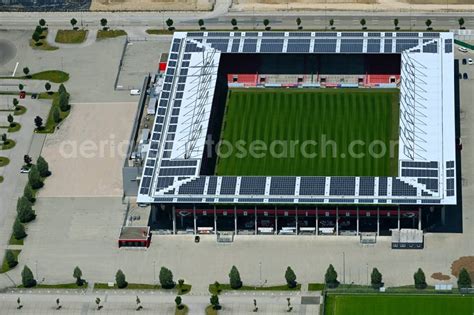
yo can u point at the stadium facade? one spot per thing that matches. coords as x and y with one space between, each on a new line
427 143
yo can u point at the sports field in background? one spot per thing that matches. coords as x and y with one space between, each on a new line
289 115
399 305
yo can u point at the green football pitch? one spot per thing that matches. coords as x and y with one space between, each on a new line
399 304
317 132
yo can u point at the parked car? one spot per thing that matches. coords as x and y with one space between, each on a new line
464 61
460 76
135 92
469 61
24 170
462 49
465 76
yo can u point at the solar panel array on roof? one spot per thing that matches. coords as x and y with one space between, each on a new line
400 188
228 185
342 186
273 45
382 186
250 45
366 186
351 45
194 187
312 186
373 45
298 45
252 185
282 186
325 45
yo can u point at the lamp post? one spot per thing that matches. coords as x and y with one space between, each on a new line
154 272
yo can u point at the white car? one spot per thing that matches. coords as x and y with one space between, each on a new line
462 49
135 92
469 61
24 170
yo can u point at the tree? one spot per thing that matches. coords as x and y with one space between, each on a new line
298 23
234 24
64 102
169 23
28 193
178 300
39 122
10 120
464 279
15 102
234 278
266 22
27 159
77 274
18 230
27 278
461 23
201 24
4 138
62 89
43 167
331 23
420 280
36 37
428 24
103 23
290 277
166 278
47 86
395 23
21 87
330 278
25 212
26 71
10 259
120 279
376 278
56 114
215 302
42 22
362 23
73 22
34 178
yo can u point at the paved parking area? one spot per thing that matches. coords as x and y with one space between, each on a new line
141 58
86 154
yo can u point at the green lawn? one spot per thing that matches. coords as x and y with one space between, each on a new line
8 144
316 286
101 34
310 132
14 241
20 110
5 266
378 304
182 311
4 161
42 44
55 76
142 286
71 285
1 179
50 124
226 287
71 36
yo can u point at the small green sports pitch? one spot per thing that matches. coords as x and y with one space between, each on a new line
399 304
309 132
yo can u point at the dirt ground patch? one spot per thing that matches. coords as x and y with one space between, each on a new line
440 276
463 262
86 154
151 5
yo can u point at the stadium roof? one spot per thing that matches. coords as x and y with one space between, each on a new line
427 122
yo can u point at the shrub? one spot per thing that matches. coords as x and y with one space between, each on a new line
27 278
166 278
234 278
420 280
18 230
120 279
290 277
11 259
330 278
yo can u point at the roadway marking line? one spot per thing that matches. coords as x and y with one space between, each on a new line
16 67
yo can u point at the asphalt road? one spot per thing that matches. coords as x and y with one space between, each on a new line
220 18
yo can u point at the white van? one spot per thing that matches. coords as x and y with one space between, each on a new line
462 49
135 92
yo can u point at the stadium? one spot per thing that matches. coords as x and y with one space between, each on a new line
302 133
